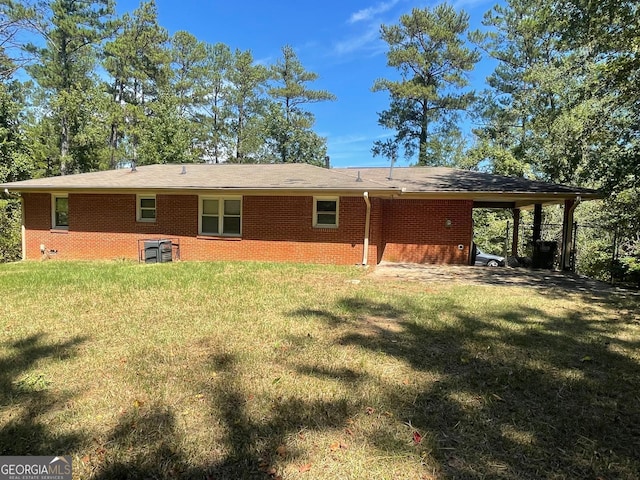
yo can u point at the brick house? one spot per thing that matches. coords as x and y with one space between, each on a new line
284 212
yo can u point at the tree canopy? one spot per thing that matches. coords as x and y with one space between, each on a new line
428 49
97 91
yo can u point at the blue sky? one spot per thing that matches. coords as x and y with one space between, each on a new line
339 40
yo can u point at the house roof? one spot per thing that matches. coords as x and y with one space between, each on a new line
281 177
442 179
485 189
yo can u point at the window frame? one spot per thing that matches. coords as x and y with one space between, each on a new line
139 208
315 212
54 222
221 215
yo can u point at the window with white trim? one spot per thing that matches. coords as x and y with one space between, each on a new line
146 208
220 216
325 212
60 211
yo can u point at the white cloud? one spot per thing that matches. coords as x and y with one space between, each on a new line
367 14
366 39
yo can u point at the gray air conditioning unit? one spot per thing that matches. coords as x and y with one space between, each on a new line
157 251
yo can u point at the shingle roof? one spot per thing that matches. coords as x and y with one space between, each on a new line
424 181
441 179
292 176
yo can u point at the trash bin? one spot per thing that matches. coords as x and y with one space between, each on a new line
544 254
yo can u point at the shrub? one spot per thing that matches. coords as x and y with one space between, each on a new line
10 231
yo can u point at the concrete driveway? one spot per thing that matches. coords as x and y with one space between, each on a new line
558 282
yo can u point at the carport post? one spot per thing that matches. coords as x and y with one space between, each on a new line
516 231
537 222
567 233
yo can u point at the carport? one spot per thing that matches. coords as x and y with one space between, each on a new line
536 202
489 191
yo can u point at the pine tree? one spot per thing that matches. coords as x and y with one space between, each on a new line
290 125
188 86
74 31
247 103
215 116
428 49
138 62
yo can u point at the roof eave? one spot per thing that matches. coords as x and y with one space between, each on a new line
203 190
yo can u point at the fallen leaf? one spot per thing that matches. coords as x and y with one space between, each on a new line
138 403
344 446
348 431
586 358
272 471
334 446
281 450
417 438
304 468
369 410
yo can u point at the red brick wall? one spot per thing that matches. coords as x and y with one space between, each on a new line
416 231
274 228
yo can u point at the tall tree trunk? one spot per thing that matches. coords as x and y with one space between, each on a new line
424 132
64 144
239 155
114 134
65 136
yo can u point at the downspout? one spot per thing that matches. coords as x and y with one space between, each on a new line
575 204
367 221
23 230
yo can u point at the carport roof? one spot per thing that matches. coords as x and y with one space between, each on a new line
485 189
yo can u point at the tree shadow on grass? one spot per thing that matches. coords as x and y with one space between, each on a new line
252 443
543 400
26 395
145 443
522 394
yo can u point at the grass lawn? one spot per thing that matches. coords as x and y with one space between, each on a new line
266 371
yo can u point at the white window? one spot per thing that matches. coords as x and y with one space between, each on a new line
220 216
60 211
325 212
146 207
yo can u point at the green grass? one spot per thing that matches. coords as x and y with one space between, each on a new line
250 370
